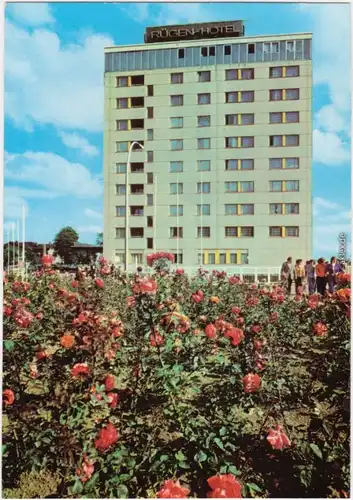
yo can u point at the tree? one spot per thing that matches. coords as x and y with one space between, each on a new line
63 242
99 239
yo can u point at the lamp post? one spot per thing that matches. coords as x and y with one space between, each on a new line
127 202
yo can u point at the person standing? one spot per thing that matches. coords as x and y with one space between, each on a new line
310 276
287 275
320 270
332 269
299 275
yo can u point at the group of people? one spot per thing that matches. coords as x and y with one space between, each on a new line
312 276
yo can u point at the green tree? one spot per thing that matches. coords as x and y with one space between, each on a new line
64 240
99 239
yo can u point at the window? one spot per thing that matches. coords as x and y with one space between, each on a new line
291 71
176 78
204 76
276 140
149 199
119 232
290 46
122 81
246 209
149 112
276 95
136 188
204 232
244 257
136 232
204 165
275 117
122 103
276 72
203 121
122 124
119 257
176 188
292 117
247 142
150 178
137 124
230 232
231 164
211 258
290 163
176 122
120 168
204 51
231 187
231 97
227 50
178 258
212 51
247 74
176 232
176 144
208 51
203 98
266 48
247 96
203 143
230 209
136 211
291 208
292 140
149 221
291 231
275 48
285 163
288 117
247 164
275 163
175 166
122 147
120 211
138 146
203 187
231 74
291 186
231 119
231 142
150 92
150 134
247 119
222 258
275 186
137 102
150 156
137 80
291 94
137 258
120 189
149 243
246 187
275 208
247 232
181 53
251 48
176 100
275 231
176 210
137 168
203 210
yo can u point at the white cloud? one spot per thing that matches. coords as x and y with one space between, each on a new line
90 229
324 203
329 148
331 120
13 205
53 174
76 141
48 82
171 13
93 214
30 14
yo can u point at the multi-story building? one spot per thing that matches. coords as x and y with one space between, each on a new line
226 125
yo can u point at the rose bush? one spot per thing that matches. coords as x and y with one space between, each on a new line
172 387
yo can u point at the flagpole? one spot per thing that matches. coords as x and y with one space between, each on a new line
8 250
177 259
18 241
13 244
155 215
201 219
23 238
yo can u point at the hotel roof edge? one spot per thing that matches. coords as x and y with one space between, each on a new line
156 45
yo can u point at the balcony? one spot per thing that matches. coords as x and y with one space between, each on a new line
136 232
137 102
137 168
136 211
136 189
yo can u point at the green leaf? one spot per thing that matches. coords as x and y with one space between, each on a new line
9 345
219 443
3 449
163 458
77 488
200 457
122 491
222 431
92 482
233 470
180 456
316 450
254 487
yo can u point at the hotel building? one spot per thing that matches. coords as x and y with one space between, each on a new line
225 121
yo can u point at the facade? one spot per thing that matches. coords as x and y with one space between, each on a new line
224 178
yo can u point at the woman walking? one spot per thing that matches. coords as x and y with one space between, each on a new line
320 270
333 268
299 275
310 276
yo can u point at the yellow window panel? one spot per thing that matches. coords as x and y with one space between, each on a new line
283 163
129 81
238 119
283 186
283 71
129 102
238 209
238 98
283 232
217 256
238 142
238 164
238 253
238 232
205 257
129 124
227 257
283 95
283 208
239 75
238 187
283 117
284 140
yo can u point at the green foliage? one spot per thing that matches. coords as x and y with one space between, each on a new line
34 485
99 239
64 240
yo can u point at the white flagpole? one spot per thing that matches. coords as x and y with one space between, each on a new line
18 241
177 259
155 215
13 244
23 239
8 250
201 219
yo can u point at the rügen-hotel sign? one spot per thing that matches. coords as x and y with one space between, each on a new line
194 31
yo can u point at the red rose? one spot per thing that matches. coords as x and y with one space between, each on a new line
273 317
224 486
278 439
39 315
236 310
47 260
23 318
236 334
7 311
211 331
87 469
107 436
251 382
79 370
196 298
320 329
172 489
256 328
145 285
113 399
234 280
240 321
8 397
179 271
99 283
74 284
109 382
156 339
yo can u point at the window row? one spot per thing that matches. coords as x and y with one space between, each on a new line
205 165
205 76
235 257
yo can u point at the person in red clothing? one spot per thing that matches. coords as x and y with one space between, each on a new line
321 276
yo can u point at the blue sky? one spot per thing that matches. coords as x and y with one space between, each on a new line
54 104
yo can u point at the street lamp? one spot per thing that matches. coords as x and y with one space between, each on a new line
127 202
